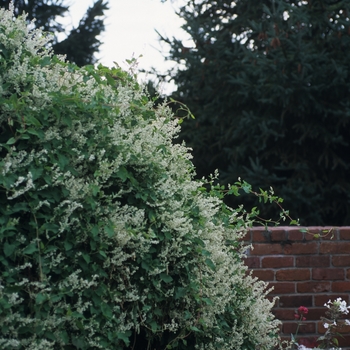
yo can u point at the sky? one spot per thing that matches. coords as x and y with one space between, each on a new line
130 32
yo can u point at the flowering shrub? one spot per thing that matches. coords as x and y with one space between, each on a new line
107 242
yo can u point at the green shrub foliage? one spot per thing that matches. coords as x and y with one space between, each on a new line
106 240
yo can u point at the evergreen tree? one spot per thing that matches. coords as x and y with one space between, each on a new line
269 85
82 42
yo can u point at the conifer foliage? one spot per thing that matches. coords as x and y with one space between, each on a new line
106 240
81 42
268 83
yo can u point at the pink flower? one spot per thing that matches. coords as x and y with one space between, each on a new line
303 310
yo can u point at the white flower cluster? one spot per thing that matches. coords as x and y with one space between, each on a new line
339 306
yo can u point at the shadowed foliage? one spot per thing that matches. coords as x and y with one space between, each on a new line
268 82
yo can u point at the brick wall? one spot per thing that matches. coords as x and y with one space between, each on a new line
303 271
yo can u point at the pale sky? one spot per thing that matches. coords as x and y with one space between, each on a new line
130 31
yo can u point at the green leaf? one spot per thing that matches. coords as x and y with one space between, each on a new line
106 310
102 253
30 119
48 226
67 245
205 252
79 324
246 187
122 173
66 119
21 206
124 336
9 249
195 329
62 161
40 298
210 264
30 249
78 342
109 229
11 141
166 278
154 326
86 257
207 301
180 292
45 61
36 172
94 189
144 265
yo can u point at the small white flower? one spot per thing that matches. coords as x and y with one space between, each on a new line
328 304
303 347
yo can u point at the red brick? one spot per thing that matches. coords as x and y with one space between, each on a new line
293 275
265 275
291 327
278 261
282 287
247 237
308 236
312 261
284 314
272 299
341 260
335 248
344 233
320 300
320 328
327 274
341 287
308 341
294 234
260 236
266 249
295 301
301 248
344 341
278 235
348 274
315 314
313 287
252 262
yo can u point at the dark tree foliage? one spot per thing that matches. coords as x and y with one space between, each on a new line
82 42
268 82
